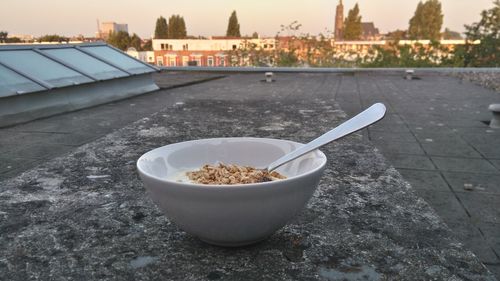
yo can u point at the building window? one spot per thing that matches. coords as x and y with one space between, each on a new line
234 47
172 61
271 46
222 61
163 46
265 46
159 61
210 61
197 59
185 47
170 47
185 60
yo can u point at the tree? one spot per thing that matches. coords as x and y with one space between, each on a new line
233 27
148 46
176 27
3 36
427 21
487 52
451 35
53 38
135 42
120 40
352 24
255 35
161 29
397 35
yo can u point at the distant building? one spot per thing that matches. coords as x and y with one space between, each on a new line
106 28
339 22
215 51
229 51
369 31
145 56
22 37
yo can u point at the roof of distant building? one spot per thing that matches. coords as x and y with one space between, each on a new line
228 37
369 29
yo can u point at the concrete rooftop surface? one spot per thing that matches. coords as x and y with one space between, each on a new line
72 205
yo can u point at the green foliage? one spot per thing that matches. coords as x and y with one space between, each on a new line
451 35
233 27
318 51
53 38
255 35
427 21
13 40
287 59
397 35
487 53
120 40
290 29
417 55
135 42
176 27
456 58
148 46
352 24
3 36
161 29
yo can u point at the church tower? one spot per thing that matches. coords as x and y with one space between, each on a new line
339 22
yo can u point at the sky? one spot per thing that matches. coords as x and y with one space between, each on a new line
210 17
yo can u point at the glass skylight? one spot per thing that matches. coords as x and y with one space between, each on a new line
118 59
12 83
32 68
42 68
85 63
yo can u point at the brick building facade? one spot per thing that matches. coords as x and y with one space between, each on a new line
216 51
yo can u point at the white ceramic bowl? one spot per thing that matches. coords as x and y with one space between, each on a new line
230 215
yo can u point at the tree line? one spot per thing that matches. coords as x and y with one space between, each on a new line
176 27
317 51
426 23
4 38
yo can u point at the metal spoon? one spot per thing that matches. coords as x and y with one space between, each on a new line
369 116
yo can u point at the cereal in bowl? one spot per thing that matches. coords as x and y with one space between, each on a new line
231 174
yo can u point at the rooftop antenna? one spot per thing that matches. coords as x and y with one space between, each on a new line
98 27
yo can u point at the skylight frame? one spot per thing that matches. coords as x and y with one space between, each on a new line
132 70
51 57
42 83
46 85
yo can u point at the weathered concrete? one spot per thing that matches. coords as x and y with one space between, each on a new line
26 145
85 215
435 135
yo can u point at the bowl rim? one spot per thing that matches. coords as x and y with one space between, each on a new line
230 186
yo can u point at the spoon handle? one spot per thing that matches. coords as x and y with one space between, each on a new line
369 116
